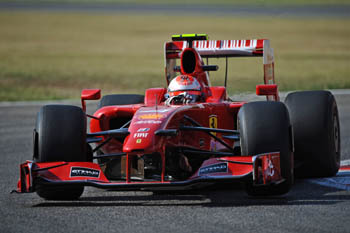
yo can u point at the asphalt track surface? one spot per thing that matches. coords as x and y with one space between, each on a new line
186 9
308 207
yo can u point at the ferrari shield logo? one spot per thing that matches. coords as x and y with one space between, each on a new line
213 122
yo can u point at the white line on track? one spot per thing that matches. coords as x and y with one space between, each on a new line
345 162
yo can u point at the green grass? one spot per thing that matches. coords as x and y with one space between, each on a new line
54 56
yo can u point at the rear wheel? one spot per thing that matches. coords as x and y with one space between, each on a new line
264 127
60 135
315 120
118 99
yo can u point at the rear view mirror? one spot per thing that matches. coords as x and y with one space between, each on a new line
89 94
268 90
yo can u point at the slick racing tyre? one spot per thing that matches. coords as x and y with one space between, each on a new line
265 127
60 135
315 120
118 99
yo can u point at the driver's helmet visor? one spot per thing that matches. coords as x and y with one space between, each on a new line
192 93
191 96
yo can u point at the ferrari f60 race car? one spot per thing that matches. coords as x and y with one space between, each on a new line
189 135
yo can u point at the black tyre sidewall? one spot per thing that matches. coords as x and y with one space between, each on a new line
60 135
314 115
265 127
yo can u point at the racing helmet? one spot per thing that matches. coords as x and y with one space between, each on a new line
185 85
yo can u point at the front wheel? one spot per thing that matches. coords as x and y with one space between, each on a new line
265 127
60 135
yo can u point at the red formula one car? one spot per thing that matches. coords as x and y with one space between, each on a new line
189 135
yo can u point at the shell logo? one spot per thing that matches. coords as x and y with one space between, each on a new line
151 116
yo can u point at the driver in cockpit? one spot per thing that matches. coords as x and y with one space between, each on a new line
184 89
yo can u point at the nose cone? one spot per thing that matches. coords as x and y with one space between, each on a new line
144 124
137 141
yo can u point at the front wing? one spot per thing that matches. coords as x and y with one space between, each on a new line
263 169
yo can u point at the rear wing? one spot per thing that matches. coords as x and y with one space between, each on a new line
222 48
218 48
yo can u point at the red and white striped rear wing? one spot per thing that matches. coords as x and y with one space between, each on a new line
228 48
219 48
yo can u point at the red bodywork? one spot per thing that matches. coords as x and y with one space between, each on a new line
157 127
